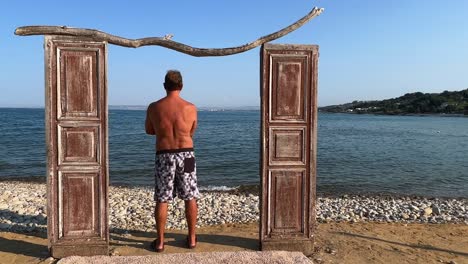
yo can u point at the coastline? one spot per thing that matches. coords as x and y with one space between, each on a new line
395 114
254 189
23 209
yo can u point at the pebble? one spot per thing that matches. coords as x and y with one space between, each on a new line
427 211
435 210
330 251
23 208
49 260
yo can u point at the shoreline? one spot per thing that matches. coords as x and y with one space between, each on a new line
23 209
395 114
254 189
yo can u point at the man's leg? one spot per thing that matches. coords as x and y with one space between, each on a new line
191 212
160 215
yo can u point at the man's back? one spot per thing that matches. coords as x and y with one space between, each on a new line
173 121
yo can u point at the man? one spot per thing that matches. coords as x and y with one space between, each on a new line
173 121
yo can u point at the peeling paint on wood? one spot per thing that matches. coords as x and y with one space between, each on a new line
288 144
76 139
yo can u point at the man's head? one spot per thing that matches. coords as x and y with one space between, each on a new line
173 81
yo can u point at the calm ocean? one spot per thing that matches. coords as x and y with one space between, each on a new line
407 155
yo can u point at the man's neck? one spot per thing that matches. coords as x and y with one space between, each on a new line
173 93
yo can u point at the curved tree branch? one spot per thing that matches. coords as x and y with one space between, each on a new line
163 41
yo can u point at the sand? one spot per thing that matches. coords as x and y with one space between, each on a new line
362 242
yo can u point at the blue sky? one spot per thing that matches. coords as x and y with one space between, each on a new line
368 49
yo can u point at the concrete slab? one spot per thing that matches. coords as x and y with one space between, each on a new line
241 257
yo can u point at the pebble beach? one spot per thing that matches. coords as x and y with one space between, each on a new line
23 209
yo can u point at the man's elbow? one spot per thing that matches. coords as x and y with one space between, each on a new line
150 131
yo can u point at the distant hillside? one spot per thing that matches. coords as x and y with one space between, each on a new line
410 103
127 107
228 108
201 108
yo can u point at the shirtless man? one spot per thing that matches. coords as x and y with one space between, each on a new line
173 121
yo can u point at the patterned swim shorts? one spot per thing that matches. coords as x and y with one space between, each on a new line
175 173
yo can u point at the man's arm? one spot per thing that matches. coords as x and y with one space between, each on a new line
194 124
148 124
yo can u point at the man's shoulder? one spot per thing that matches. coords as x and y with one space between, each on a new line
189 104
190 108
154 104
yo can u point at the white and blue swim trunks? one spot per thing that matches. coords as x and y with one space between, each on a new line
175 174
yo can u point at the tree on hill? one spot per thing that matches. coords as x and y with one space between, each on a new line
411 103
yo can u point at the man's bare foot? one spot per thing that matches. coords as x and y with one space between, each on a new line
157 245
191 242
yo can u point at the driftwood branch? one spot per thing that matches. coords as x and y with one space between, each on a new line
163 41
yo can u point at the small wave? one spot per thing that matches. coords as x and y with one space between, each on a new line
217 188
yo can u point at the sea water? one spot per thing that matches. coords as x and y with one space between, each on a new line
407 155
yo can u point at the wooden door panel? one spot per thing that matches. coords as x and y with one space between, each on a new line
79 144
79 204
288 88
287 201
288 142
78 82
287 145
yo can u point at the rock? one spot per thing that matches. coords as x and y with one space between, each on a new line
318 260
48 260
435 210
427 211
330 251
405 216
16 202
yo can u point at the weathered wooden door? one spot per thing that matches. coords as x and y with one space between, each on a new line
76 137
288 145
